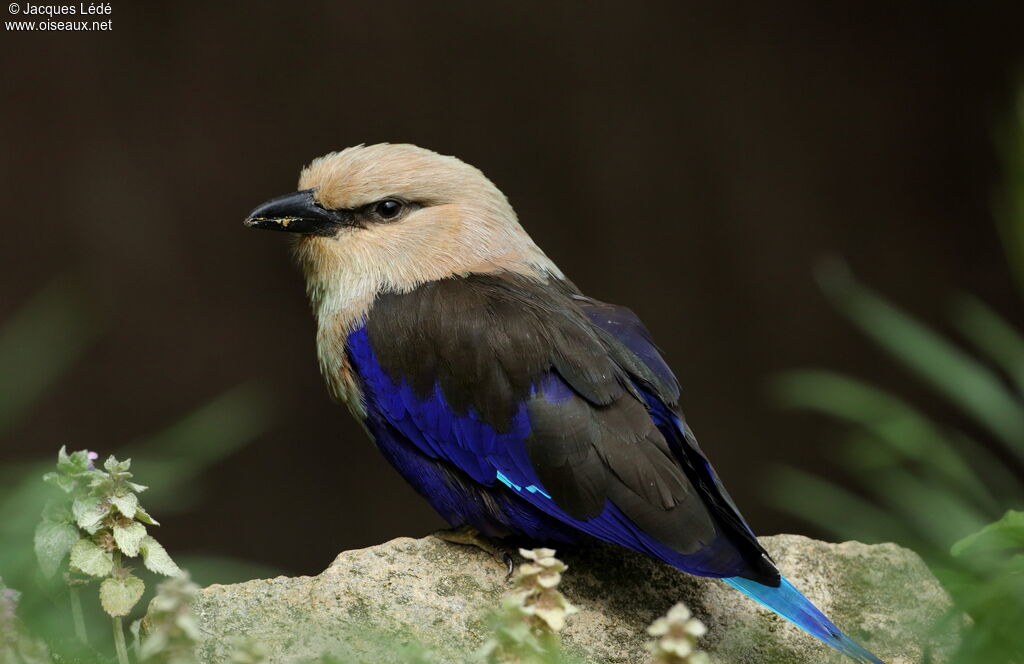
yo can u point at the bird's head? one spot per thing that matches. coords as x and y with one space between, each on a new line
385 217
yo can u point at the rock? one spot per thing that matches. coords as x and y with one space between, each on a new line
373 602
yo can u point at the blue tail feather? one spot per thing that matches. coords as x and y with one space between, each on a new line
790 603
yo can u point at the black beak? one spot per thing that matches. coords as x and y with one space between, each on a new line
297 212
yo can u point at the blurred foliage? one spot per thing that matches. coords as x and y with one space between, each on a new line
948 494
170 631
525 628
38 345
675 638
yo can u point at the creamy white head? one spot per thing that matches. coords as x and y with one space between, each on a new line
403 216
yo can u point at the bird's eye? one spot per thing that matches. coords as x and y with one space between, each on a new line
387 209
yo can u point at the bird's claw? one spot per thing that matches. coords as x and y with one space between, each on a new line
470 536
510 563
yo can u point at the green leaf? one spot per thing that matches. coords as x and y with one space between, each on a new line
119 596
1003 536
992 335
938 516
833 508
70 469
143 516
53 542
112 465
91 559
129 538
61 481
126 503
58 511
906 432
75 463
155 558
89 512
964 381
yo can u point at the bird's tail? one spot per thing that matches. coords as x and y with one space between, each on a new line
790 603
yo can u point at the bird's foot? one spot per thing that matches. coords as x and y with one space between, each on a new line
470 536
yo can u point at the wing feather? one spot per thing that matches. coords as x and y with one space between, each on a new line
563 399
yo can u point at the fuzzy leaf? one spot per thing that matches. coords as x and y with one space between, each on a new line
89 512
58 511
112 465
53 542
118 596
126 503
143 516
74 463
60 480
91 559
155 558
129 538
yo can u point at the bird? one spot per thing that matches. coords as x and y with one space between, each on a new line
513 403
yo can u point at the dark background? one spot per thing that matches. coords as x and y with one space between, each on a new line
692 160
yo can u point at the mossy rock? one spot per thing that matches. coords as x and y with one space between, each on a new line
409 599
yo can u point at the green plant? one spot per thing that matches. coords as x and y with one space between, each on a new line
926 482
525 629
96 525
930 486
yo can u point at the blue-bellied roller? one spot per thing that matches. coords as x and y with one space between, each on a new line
512 402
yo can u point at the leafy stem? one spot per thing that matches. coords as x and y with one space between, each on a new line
122 650
76 614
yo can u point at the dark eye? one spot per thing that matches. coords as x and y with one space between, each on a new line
388 208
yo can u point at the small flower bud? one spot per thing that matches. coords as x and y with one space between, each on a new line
676 638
